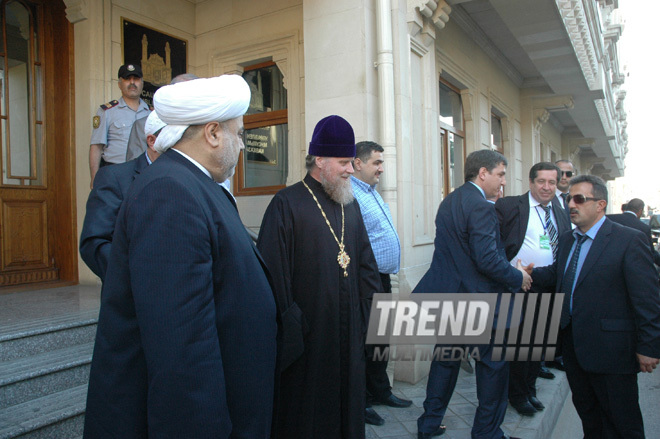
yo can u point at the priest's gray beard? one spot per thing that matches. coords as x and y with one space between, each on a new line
338 188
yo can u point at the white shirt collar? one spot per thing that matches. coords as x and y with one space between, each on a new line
196 163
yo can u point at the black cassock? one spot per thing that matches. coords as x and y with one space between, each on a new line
322 392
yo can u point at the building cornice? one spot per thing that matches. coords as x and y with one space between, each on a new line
76 10
579 33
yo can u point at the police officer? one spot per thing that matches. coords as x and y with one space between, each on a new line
113 121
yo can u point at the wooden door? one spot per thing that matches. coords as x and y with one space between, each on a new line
37 229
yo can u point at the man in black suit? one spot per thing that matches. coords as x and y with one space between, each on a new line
567 171
632 211
186 337
610 321
110 187
530 225
468 259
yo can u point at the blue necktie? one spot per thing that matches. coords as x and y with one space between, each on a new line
567 283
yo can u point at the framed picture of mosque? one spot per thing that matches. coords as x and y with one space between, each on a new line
161 56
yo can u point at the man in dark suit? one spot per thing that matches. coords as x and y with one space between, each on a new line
110 187
610 321
530 225
567 171
186 337
632 211
468 259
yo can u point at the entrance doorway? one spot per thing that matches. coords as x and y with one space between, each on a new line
37 219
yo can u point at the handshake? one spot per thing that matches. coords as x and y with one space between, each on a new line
527 275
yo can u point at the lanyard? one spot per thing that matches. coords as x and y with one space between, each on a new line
544 224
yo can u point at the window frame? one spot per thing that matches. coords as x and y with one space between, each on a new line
493 145
268 118
445 129
36 102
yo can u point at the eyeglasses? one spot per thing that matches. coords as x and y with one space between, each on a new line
569 174
580 199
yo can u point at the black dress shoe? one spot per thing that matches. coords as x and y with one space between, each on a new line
438 432
373 418
545 373
538 405
393 401
506 436
525 408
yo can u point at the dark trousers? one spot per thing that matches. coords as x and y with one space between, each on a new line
378 383
608 404
522 379
523 374
492 385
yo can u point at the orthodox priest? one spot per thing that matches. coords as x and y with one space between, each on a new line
314 243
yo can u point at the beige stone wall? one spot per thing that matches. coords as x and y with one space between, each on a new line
234 34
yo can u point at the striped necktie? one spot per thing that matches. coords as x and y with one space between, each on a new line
552 232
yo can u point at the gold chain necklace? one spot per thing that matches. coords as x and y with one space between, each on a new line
342 257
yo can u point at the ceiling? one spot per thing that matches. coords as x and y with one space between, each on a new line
530 37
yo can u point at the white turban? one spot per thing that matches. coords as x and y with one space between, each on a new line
198 102
153 124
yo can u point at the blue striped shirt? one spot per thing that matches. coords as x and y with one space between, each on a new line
380 228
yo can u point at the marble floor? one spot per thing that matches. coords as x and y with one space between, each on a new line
25 311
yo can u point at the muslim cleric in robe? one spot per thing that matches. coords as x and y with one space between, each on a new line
316 247
186 339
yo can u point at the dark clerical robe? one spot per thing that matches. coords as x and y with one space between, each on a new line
322 392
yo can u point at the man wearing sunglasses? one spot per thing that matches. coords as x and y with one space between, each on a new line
610 319
566 172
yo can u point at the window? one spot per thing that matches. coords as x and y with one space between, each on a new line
452 137
496 141
21 96
262 166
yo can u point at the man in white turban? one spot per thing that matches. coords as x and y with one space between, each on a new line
137 140
110 187
186 337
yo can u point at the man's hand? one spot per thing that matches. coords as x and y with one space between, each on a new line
527 279
647 364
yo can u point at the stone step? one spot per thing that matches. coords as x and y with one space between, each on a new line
33 377
58 415
36 336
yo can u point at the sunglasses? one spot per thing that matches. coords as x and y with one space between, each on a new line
580 199
569 174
